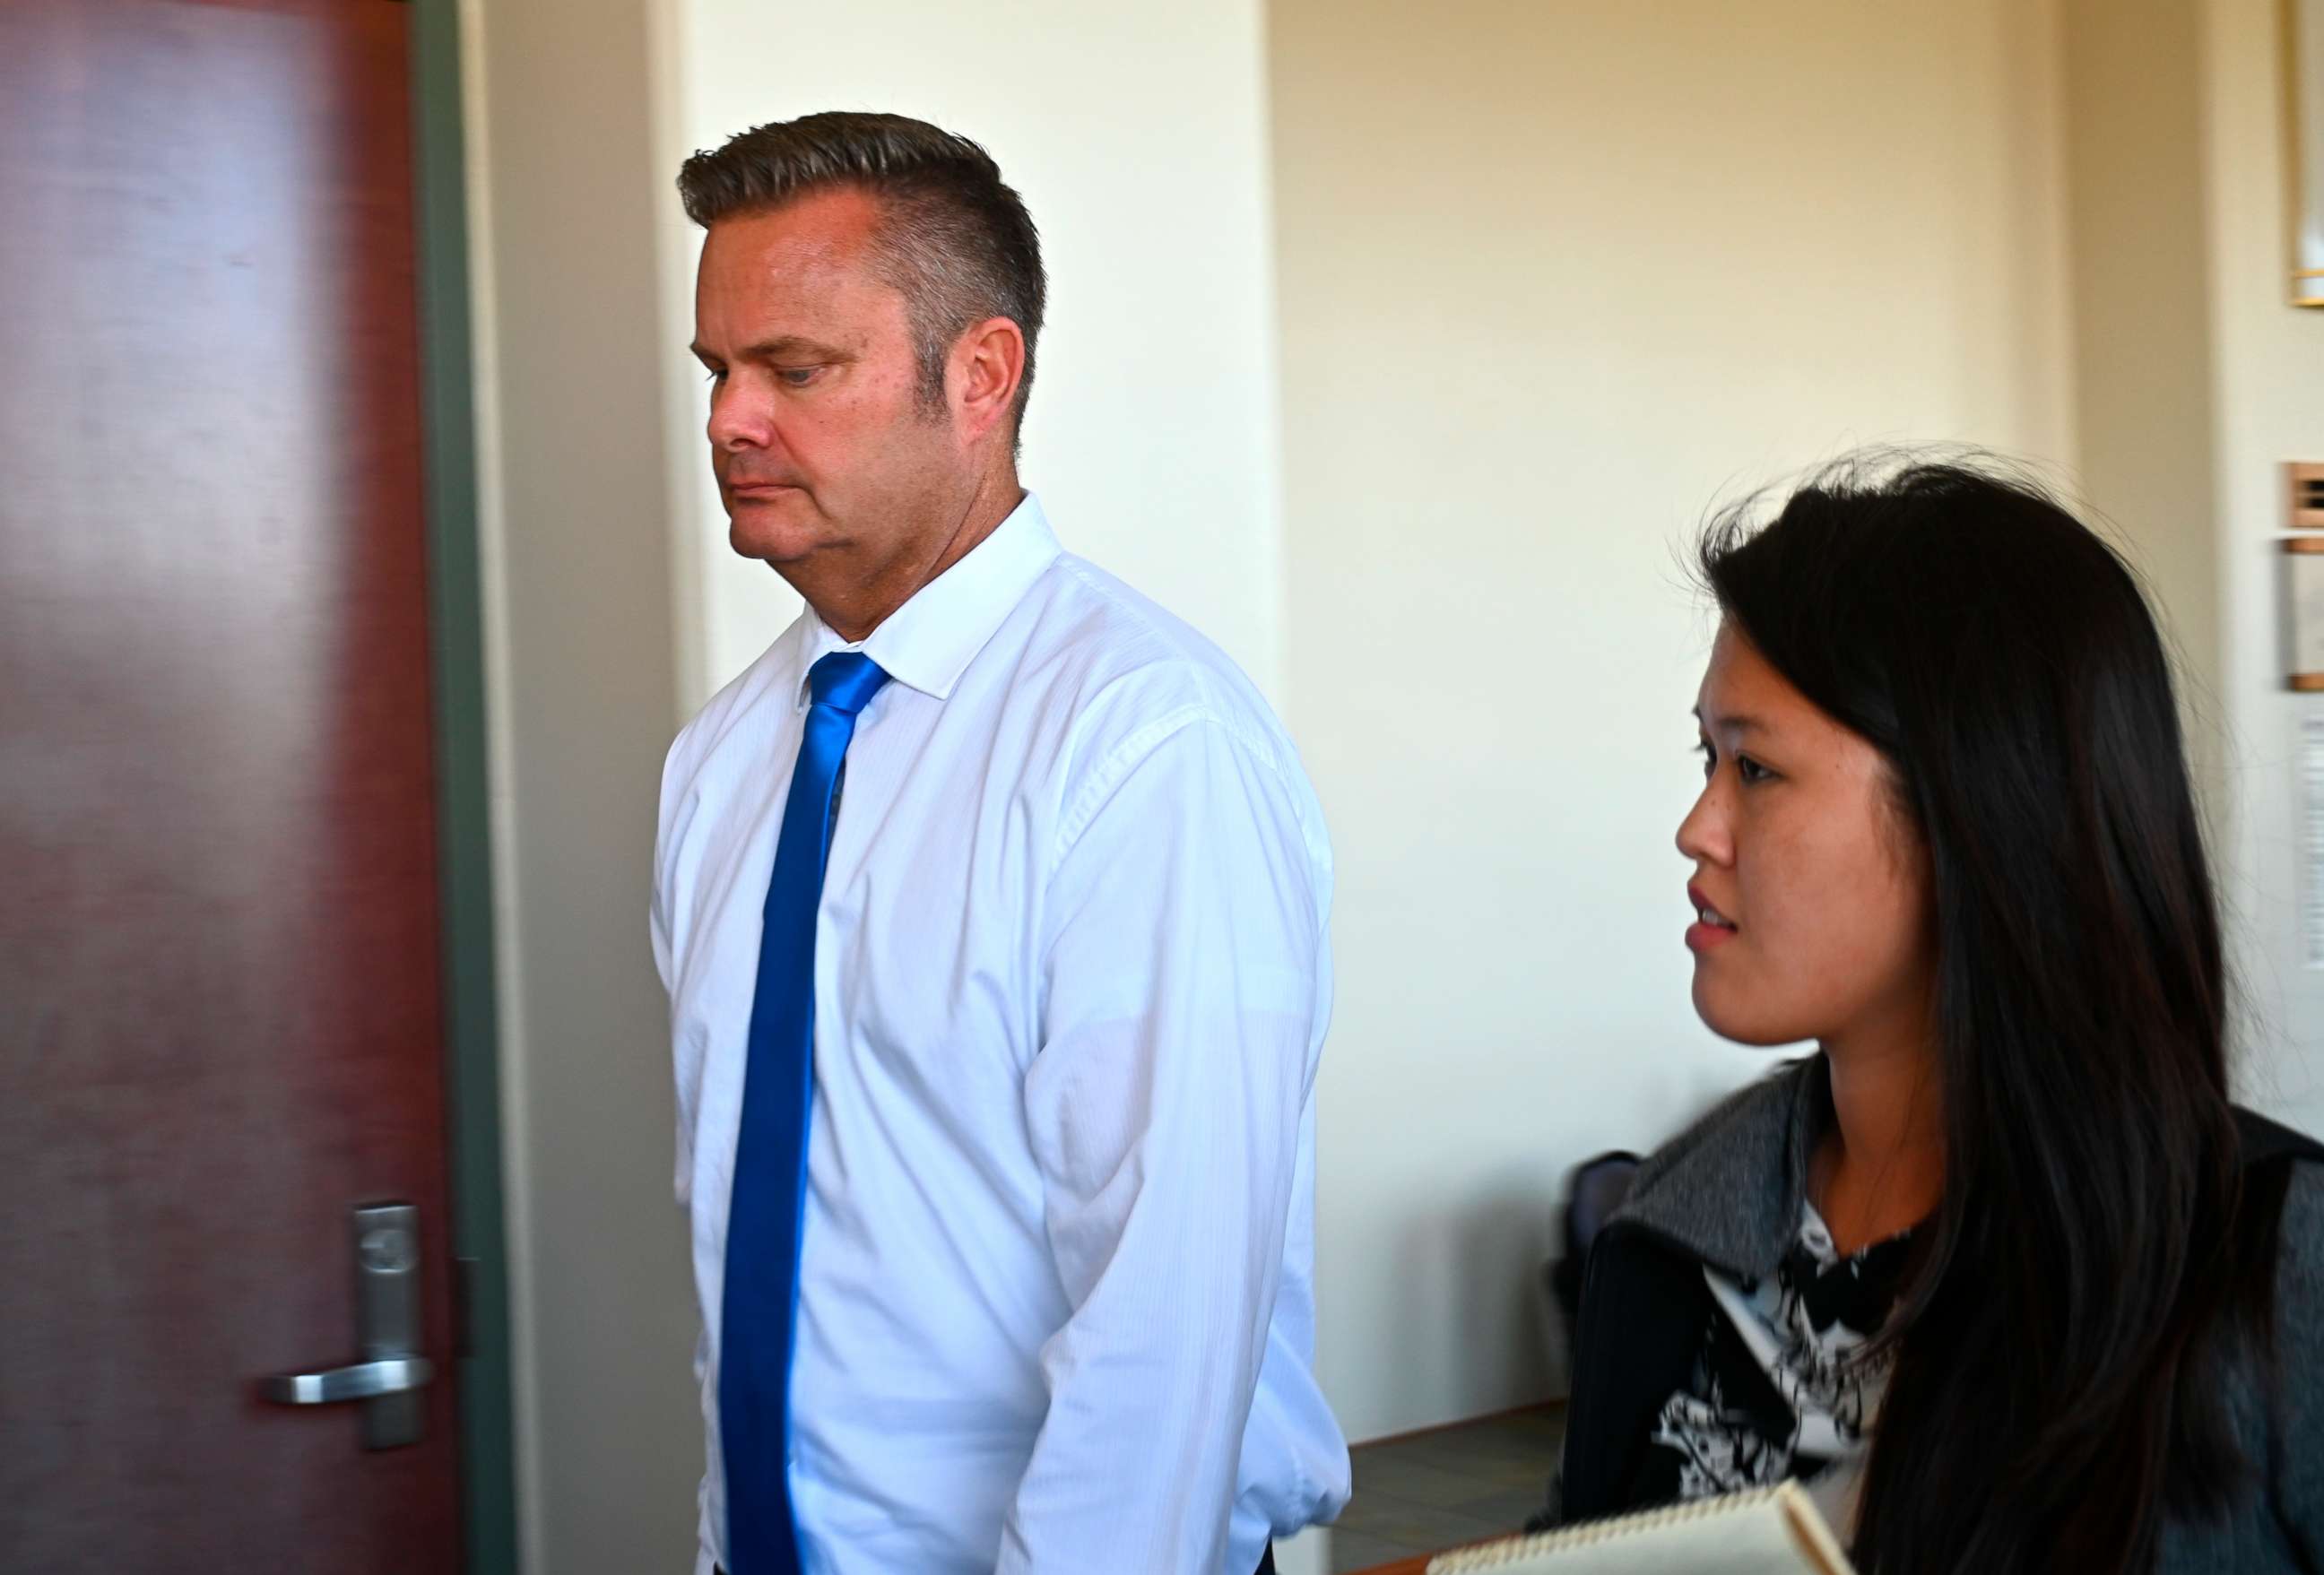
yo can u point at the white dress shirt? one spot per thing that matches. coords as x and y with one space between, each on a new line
1056 1305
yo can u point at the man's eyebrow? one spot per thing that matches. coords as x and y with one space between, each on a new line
781 348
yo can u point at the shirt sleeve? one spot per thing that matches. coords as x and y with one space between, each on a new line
658 930
1182 936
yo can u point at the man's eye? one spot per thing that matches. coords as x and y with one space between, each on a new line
715 376
798 376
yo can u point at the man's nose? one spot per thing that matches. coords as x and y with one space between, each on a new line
737 420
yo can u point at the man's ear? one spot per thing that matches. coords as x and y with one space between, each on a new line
988 368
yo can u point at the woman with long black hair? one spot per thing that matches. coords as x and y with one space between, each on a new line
1999 1272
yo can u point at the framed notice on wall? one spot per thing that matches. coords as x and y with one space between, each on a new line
2304 100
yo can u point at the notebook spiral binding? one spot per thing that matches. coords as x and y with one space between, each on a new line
1499 1555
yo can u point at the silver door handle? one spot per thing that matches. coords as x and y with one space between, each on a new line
388 1377
363 1381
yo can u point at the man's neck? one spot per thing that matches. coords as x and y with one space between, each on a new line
854 603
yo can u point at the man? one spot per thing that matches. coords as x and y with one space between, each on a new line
991 903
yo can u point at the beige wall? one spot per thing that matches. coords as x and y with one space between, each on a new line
2136 193
582 656
1553 277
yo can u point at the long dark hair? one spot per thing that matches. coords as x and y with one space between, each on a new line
2059 1348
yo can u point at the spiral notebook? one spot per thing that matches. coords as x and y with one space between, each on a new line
1770 1530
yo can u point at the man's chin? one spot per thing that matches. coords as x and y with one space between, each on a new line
780 530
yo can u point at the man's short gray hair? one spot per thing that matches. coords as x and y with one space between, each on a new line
954 236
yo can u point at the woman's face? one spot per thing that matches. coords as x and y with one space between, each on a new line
1811 889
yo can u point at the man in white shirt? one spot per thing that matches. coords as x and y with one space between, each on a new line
991 901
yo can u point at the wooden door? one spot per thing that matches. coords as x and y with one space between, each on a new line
221 1007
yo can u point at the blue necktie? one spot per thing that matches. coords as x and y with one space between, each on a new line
759 1319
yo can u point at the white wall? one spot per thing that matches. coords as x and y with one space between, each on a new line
1137 136
1552 279
2268 395
2194 381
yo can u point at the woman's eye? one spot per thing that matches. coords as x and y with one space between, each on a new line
1750 770
1709 759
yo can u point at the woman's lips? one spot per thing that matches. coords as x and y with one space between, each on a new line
1712 929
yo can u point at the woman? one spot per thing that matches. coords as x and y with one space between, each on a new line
1999 1273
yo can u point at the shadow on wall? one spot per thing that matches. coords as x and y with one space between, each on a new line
1478 1270
1500 1270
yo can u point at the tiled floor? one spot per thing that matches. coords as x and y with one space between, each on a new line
1438 1490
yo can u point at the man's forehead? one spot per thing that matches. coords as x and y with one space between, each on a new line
822 232
794 271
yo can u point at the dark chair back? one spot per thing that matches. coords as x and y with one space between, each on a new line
1592 1192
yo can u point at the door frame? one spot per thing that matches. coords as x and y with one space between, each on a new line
462 800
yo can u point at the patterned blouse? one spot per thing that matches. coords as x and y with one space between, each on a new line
1785 1385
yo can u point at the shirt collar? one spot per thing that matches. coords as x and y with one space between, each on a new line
927 643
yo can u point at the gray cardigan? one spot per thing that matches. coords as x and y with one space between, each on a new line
1727 1193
